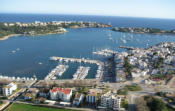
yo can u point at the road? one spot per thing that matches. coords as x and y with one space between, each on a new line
133 95
16 95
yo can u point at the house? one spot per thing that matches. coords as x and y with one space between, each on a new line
78 99
28 96
31 93
63 94
8 89
110 100
43 92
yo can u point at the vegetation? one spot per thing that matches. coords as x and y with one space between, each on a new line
26 107
3 97
1 102
83 90
141 104
127 88
156 104
143 30
31 30
170 97
123 91
158 63
128 67
133 87
161 76
46 28
124 104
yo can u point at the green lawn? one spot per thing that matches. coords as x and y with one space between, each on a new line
133 87
26 107
127 88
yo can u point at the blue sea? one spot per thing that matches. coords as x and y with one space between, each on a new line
20 56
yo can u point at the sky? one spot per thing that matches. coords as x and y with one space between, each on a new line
131 8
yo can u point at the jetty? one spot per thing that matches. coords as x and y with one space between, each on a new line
18 78
81 73
105 52
82 60
59 70
128 48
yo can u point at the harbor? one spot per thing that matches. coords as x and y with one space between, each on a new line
81 73
85 69
59 70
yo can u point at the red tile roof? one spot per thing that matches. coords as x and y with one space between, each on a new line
63 90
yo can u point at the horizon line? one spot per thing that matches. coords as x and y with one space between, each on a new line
87 15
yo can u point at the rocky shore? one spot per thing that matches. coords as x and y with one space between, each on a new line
43 28
143 30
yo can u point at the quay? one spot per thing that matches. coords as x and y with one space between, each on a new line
97 62
18 78
128 48
81 73
59 70
105 52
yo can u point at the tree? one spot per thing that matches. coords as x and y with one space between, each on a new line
127 65
141 104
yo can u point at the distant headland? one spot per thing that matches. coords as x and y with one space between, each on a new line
43 28
143 30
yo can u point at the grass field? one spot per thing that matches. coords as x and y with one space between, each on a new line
26 107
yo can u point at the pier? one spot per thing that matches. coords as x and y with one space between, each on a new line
105 52
59 70
18 78
128 48
81 73
97 62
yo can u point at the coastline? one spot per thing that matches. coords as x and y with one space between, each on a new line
8 36
12 35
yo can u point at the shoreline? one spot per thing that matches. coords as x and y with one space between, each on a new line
8 36
12 35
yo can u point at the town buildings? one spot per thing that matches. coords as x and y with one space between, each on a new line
158 59
92 96
78 99
62 94
110 100
8 89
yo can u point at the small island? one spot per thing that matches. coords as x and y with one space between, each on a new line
142 30
43 28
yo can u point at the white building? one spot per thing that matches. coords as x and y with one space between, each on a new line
78 99
110 101
8 89
61 93
139 73
91 97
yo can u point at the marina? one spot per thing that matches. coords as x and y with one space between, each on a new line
81 73
83 60
25 61
59 70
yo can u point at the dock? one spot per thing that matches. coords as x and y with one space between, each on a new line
81 73
18 78
128 48
59 70
97 62
105 52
